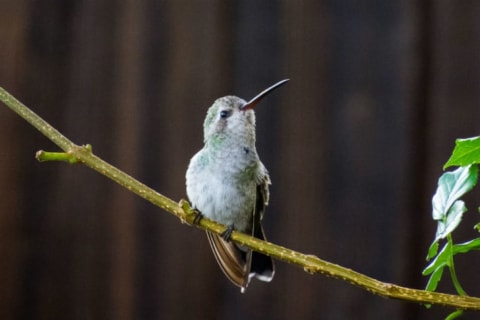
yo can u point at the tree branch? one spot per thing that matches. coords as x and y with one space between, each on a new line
310 263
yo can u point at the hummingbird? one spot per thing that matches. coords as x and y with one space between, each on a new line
226 182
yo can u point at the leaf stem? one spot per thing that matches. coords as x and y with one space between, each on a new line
451 267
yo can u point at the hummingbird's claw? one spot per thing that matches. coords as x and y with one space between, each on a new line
193 216
198 217
227 234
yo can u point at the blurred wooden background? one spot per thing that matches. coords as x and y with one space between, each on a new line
354 143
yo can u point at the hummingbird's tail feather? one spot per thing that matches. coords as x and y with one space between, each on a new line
234 262
241 266
262 266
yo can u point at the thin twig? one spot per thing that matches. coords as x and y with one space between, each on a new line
311 264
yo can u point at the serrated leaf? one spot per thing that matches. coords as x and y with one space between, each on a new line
452 220
451 186
466 152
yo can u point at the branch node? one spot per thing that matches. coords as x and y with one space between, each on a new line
43 156
191 215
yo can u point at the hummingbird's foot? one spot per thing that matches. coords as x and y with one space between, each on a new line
192 215
227 234
198 217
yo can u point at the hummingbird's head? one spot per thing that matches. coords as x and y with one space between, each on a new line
227 118
233 117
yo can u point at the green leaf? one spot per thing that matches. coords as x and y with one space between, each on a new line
451 221
466 246
454 315
436 267
440 261
477 227
434 280
451 186
432 251
466 152
447 209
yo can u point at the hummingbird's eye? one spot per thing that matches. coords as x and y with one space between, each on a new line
224 114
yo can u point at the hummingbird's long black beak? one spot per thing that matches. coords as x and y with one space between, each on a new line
253 102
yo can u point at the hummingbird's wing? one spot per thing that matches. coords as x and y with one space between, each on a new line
262 266
234 262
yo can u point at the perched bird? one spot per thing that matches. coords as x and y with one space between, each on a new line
226 182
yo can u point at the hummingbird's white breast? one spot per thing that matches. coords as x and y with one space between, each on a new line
222 185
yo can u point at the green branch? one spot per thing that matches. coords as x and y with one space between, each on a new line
311 264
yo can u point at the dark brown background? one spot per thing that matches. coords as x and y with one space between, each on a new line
354 144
